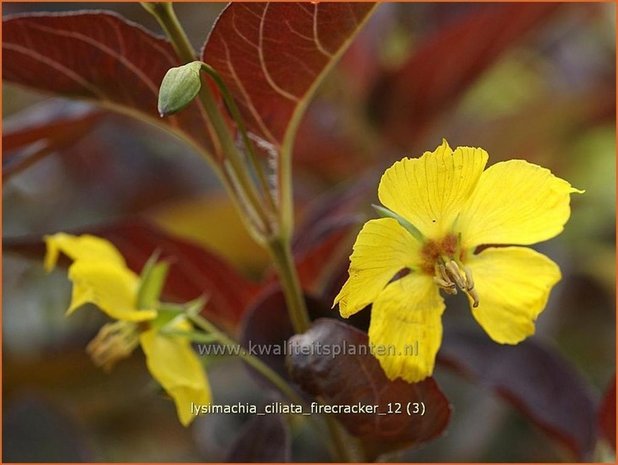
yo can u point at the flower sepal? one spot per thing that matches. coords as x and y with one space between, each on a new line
168 312
387 213
152 280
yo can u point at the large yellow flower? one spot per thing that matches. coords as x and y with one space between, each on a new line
442 206
100 276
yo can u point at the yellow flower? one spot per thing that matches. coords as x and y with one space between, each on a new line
441 207
100 276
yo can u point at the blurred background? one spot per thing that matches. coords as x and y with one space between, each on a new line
415 74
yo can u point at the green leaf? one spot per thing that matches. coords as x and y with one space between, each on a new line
152 282
179 87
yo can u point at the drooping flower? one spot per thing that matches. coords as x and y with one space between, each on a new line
101 277
439 209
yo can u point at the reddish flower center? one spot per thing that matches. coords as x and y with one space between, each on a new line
433 251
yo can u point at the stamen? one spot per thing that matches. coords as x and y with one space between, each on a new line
449 272
448 286
441 278
451 290
455 274
114 342
475 297
469 280
443 273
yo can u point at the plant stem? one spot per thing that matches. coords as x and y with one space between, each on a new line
337 441
231 152
251 360
250 146
164 14
278 244
240 180
276 233
281 252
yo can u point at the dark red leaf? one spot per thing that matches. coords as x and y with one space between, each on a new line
272 55
100 57
325 143
53 121
351 378
341 204
317 265
532 377
607 414
323 240
194 271
406 100
263 439
43 129
325 235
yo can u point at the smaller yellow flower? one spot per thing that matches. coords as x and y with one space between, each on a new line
439 209
101 277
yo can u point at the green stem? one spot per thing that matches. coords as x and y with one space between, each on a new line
286 194
165 15
279 246
251 360
195 336
336 437
278 237
229 149
281 252
237 117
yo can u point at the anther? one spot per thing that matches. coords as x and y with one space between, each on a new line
450 290
442 279
469 280
443 273
449 276
475 297
448 286
114 342
455 274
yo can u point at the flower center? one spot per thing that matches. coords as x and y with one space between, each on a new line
444 261
114 342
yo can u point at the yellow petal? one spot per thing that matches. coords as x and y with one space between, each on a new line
515 202
383 248
175 365
110 287
513 285
407 314
84 247
431 190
